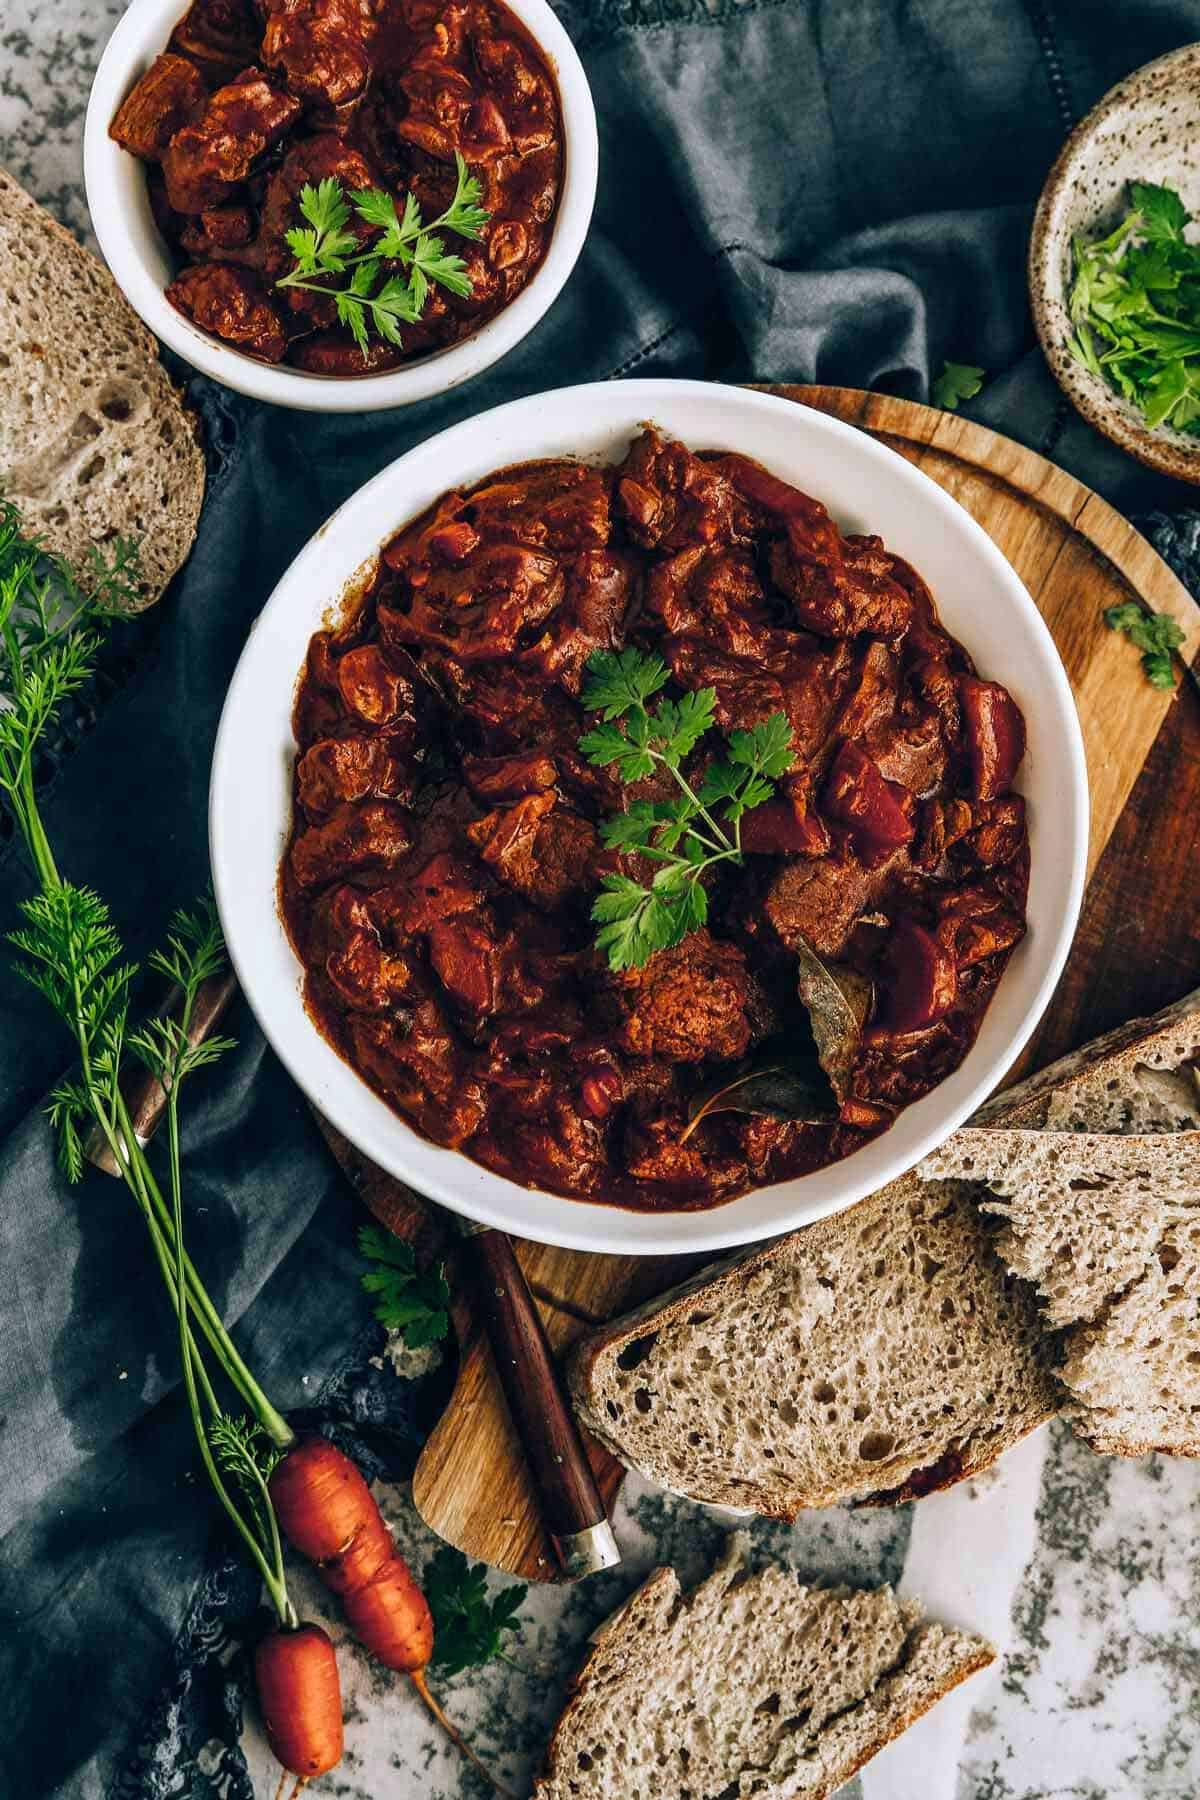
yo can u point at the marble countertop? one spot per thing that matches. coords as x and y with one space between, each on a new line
1085 1572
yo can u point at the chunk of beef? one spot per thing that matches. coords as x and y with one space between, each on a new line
511 707
367 839
443 535
599 594
171 94
328 353
373 689
941 823
997 834
445 887
818 902
320 48
910 750
224 228
551 506
839 586
368 977
688 1003
492 778
240 121
437 99
877 815
334 770
935 683
974 923
232 305
872 693
669 499
482 972
476 610
519 90
697 1169
713 592
218 34
418 1065
995 733
509 243
543 850
803 683
558 1145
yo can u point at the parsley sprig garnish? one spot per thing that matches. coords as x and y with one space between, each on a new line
327 249
414 1302
1135 309
467 1626
686 836
1157 635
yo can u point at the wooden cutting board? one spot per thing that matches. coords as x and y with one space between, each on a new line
1076 556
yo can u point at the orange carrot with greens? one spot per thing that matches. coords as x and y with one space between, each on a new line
71 951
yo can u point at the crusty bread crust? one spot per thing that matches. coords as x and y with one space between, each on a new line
95 441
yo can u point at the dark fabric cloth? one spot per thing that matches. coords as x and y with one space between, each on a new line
832 190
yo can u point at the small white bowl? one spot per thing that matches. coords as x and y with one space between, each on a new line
868 488
142 266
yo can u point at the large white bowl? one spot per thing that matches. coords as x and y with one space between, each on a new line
868 488
142 266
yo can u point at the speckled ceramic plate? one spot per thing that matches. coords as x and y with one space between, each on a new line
1146 129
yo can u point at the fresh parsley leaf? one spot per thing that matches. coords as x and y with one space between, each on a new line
1163 214
464 214
377 208
413 1302
618 681
1157 635
957 382
468 1628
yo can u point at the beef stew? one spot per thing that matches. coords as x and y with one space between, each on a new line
255 100
448 834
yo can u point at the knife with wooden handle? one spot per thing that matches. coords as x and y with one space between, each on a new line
572 1510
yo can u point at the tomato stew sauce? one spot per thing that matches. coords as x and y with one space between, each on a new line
246 107
445 856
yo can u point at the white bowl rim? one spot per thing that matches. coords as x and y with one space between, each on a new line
350 539
139 35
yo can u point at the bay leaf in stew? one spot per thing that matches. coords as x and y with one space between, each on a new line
838 1000
781 1087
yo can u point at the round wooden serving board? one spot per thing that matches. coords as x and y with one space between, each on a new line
1076 556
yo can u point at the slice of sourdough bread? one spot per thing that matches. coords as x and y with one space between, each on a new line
95 442
1102 1209
880 1353
750 1685
1142 1077
1083 1211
